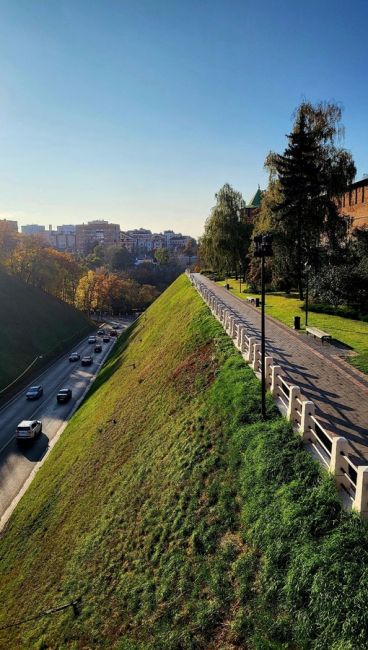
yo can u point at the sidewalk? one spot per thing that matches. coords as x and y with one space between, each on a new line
339 393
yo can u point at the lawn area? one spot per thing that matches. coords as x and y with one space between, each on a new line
181 519
353 333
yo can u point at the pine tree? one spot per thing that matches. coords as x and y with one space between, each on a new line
312 173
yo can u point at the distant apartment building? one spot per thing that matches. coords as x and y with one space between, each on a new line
32 229
176 241
13 225
127 241
354 204
96 232
68 229
62 241
141 239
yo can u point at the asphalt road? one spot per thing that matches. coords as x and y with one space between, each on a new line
18 460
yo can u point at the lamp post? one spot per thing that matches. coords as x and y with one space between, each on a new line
263 249
307 268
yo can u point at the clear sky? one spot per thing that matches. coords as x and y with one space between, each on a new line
137 111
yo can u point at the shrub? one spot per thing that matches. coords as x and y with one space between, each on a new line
341 310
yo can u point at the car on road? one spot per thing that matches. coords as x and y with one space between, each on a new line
101 332
106 339
28 429
91 339
64 395
87 360
113 333
34 392
98 348
75 356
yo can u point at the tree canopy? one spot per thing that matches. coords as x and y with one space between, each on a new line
306 182
225 243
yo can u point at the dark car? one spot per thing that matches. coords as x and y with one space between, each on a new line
106 339
101 332
64 395
34 392
113 333
98 348
87 360
75 356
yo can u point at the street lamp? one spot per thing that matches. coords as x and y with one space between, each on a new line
263 249
307 268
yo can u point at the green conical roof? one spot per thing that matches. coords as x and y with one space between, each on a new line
255 202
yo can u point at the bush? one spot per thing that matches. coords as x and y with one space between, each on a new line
337 285
341 310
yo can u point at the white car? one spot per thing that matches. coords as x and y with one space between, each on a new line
91 339
28 429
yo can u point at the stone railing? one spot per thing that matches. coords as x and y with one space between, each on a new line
331 450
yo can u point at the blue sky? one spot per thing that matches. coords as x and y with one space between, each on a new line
138 111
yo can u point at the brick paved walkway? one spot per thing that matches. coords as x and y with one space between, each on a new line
340 394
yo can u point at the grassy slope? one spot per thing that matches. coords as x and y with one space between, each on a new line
353 333
32 323
180 518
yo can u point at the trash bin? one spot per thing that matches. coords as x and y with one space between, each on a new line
227 286
258 302
296 325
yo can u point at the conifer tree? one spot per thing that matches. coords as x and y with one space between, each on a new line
312 173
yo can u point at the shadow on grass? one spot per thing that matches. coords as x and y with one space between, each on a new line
340 345
115 361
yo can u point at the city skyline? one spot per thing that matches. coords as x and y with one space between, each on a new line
140 113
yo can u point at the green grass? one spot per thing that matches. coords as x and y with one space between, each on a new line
352 333
33 323
181 519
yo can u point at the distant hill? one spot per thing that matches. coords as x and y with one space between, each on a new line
179 518
33 323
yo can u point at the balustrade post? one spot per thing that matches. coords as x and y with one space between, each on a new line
361 493
339 445
308 411
256 359
294 395
268 364
275 373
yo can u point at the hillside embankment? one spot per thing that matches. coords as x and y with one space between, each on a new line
180 519
33 323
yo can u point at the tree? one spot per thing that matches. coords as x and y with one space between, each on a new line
189 249
226 239
162 255
9 239
121 259
96 257
84 297
311 174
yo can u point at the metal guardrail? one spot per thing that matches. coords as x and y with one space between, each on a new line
332 451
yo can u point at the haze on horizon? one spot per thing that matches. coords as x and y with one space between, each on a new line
138 112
